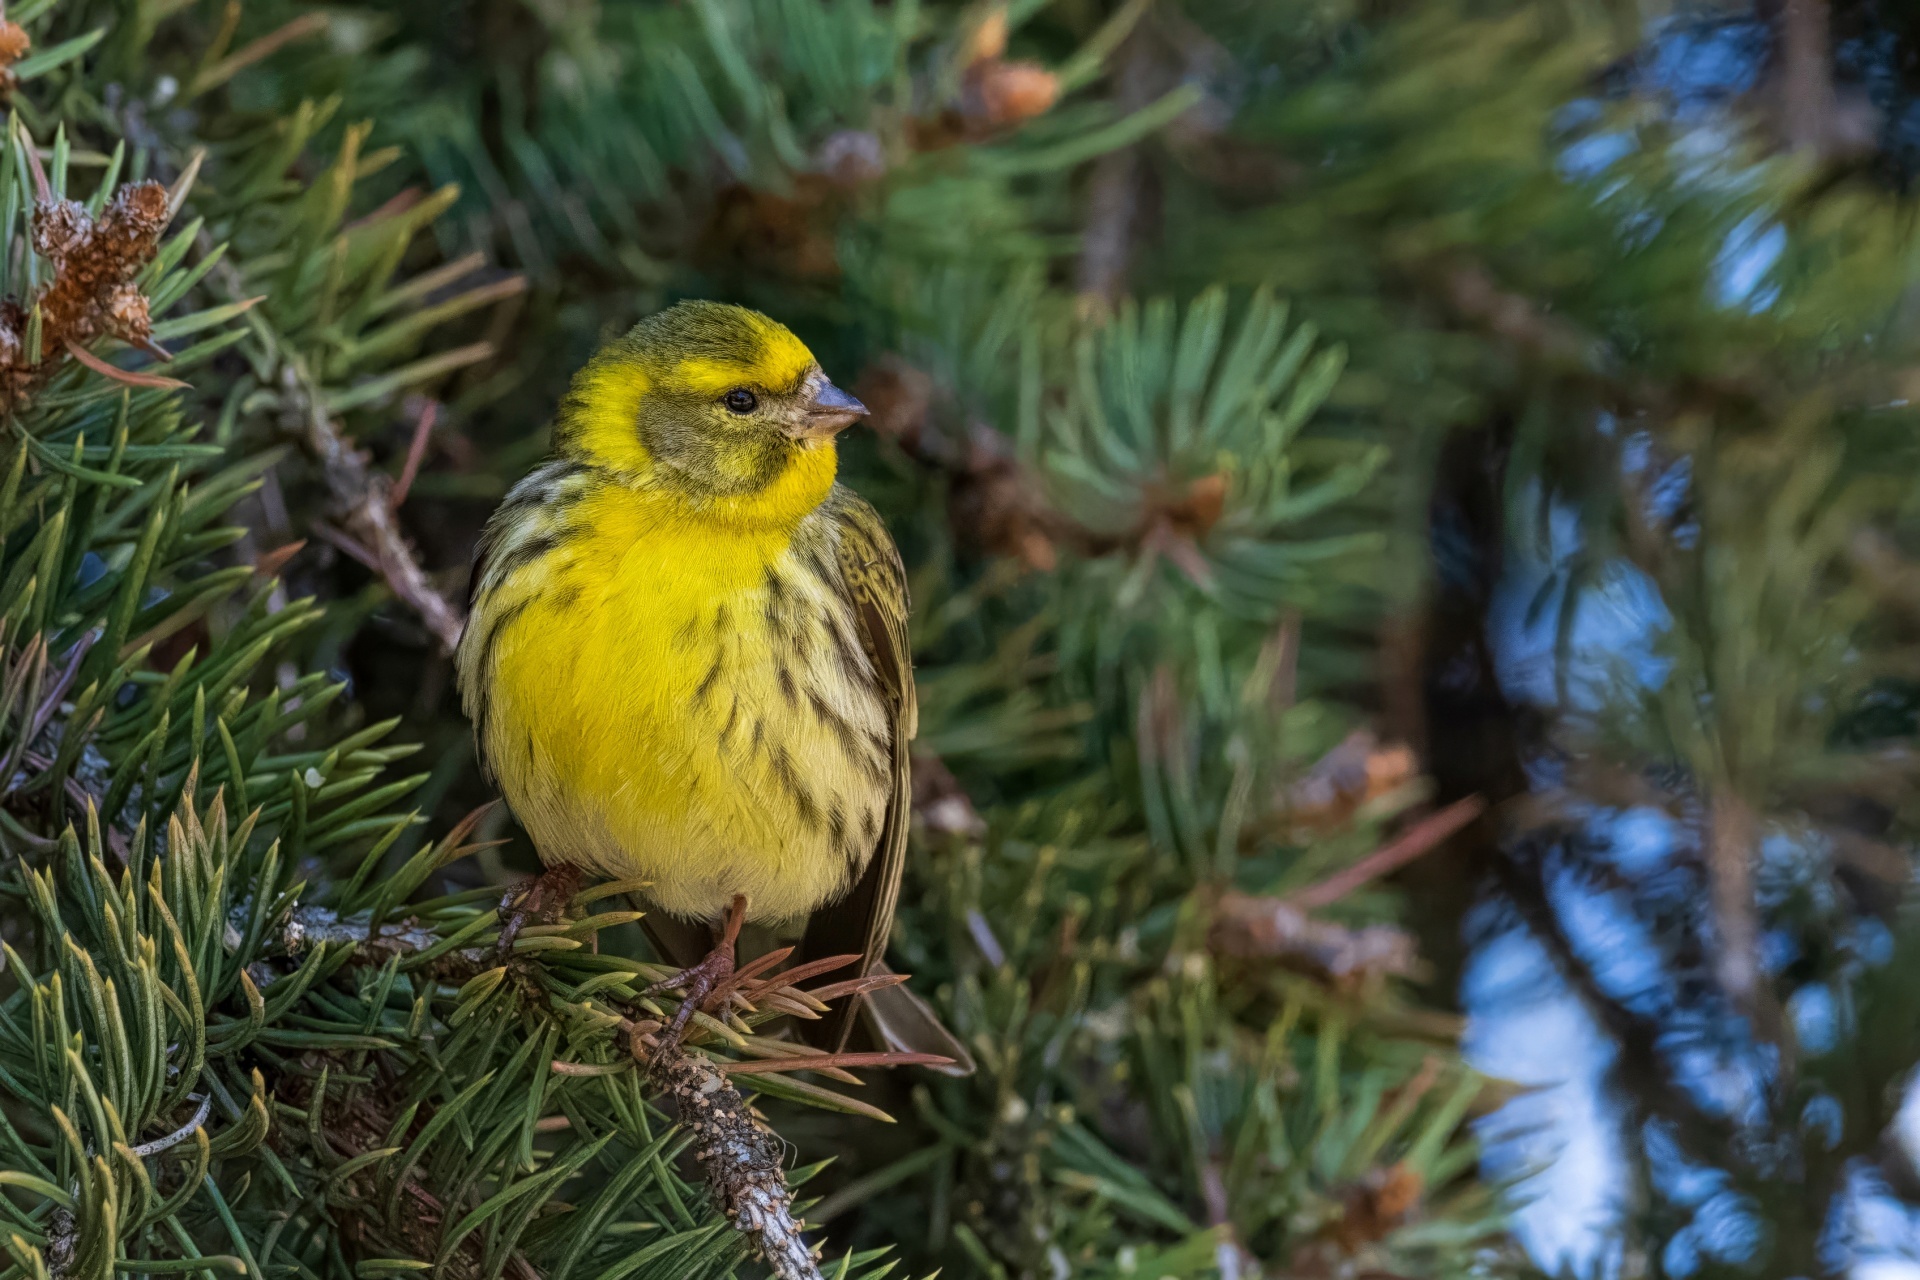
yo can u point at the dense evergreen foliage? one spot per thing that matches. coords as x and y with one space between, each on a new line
1254 388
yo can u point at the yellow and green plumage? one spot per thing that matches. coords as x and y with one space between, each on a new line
686 658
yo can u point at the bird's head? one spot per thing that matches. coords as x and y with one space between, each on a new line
711 400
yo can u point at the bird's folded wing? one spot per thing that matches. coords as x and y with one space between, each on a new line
876 586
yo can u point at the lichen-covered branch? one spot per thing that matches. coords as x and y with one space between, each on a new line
741 1157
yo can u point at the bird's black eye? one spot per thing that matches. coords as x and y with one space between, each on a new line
739 400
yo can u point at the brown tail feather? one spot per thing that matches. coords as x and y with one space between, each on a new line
899 1021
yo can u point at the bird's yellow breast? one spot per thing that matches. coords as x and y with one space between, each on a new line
683 695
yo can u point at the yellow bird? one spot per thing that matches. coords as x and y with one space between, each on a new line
686 657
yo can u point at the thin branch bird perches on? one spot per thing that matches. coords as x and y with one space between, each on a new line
743 1159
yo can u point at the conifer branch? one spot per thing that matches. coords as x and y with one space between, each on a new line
364 498
181 1134
1252 927
92 291
309 925
1649 1078
742 1158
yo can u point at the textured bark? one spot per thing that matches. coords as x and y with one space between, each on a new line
742 1159
364 499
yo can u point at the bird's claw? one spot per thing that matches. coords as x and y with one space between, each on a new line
698 985
542 897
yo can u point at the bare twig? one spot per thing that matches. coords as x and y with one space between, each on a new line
1263 928
1732 846
342 542
743 1158
364 498
374 520
1412 843
310 926
416 450
361 496
1115 192
181 1134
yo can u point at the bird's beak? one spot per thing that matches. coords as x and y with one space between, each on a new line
829 412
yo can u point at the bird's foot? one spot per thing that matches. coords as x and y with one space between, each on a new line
540 899
703 981
697 986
